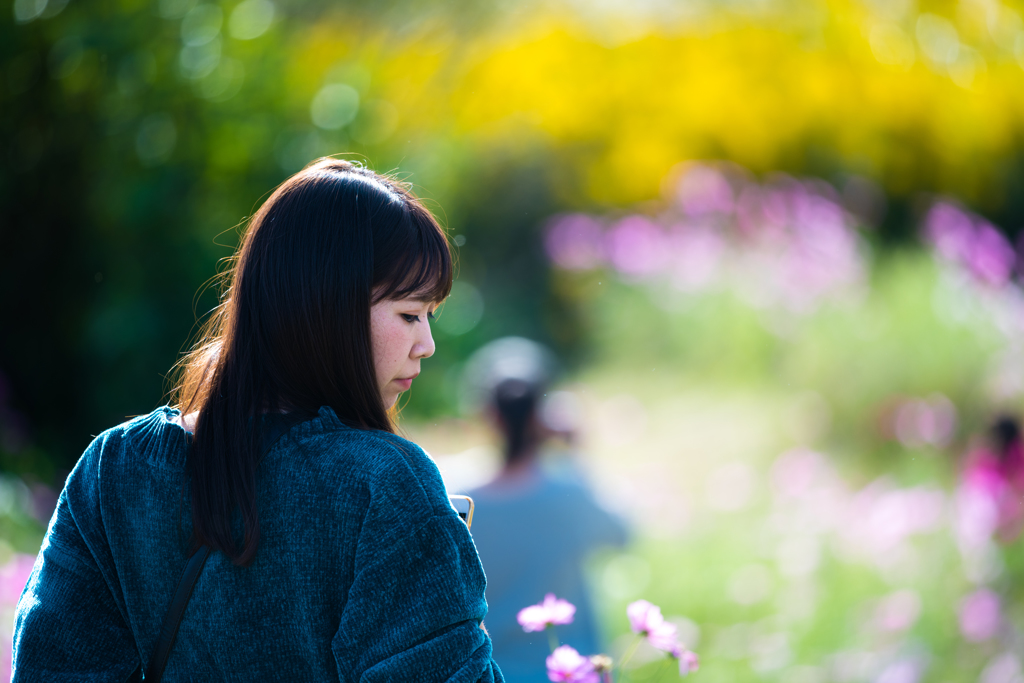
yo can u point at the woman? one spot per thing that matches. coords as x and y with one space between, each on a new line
337 555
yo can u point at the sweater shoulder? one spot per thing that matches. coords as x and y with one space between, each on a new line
398 475
118 462
154 438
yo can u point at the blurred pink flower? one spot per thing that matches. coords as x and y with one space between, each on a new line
992 257
695 253
776 200
575 242
688 661
819 217
968 240
902 671
552 610
643 615
749 214
881 518
950 229
568 665
664 637
926 422
13 577
980 615
977 509
795 471
646 619
703 190
637 246
823 255
898 611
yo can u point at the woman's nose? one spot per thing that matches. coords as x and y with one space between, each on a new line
424 346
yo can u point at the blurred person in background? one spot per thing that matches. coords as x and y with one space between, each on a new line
992 483
539 520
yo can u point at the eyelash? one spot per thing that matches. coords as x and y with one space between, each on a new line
415 318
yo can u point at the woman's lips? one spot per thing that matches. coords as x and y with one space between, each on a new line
405 382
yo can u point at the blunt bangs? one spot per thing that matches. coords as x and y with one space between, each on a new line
416 260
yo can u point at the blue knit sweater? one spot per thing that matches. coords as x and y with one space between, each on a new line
364 572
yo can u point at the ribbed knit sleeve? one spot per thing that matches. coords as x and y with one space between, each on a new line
414 612
69 624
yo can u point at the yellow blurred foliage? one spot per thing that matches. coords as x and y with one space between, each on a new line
839 83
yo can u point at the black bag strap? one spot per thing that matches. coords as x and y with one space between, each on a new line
169 630
274 427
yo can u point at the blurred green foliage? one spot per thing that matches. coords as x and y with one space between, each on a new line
859 355
139 135
126 181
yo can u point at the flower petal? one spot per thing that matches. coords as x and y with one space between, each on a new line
688 662
566 665
559 611
643 616
533 618
663 636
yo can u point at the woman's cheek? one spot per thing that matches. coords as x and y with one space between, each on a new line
392 343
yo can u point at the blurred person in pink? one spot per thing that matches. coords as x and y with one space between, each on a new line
991 492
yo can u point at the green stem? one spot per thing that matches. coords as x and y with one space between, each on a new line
630 651
552 638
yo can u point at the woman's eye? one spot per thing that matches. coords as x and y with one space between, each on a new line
431 315
410 318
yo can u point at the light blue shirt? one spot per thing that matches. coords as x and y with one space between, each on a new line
533 538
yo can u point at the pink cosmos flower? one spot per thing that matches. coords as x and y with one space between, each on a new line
636 246
980 615
569 666
646 619
643 615
551 611
575 242
664 637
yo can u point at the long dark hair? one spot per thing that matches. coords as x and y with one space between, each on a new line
292 332
516 401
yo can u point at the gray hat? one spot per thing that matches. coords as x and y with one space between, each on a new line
500 360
